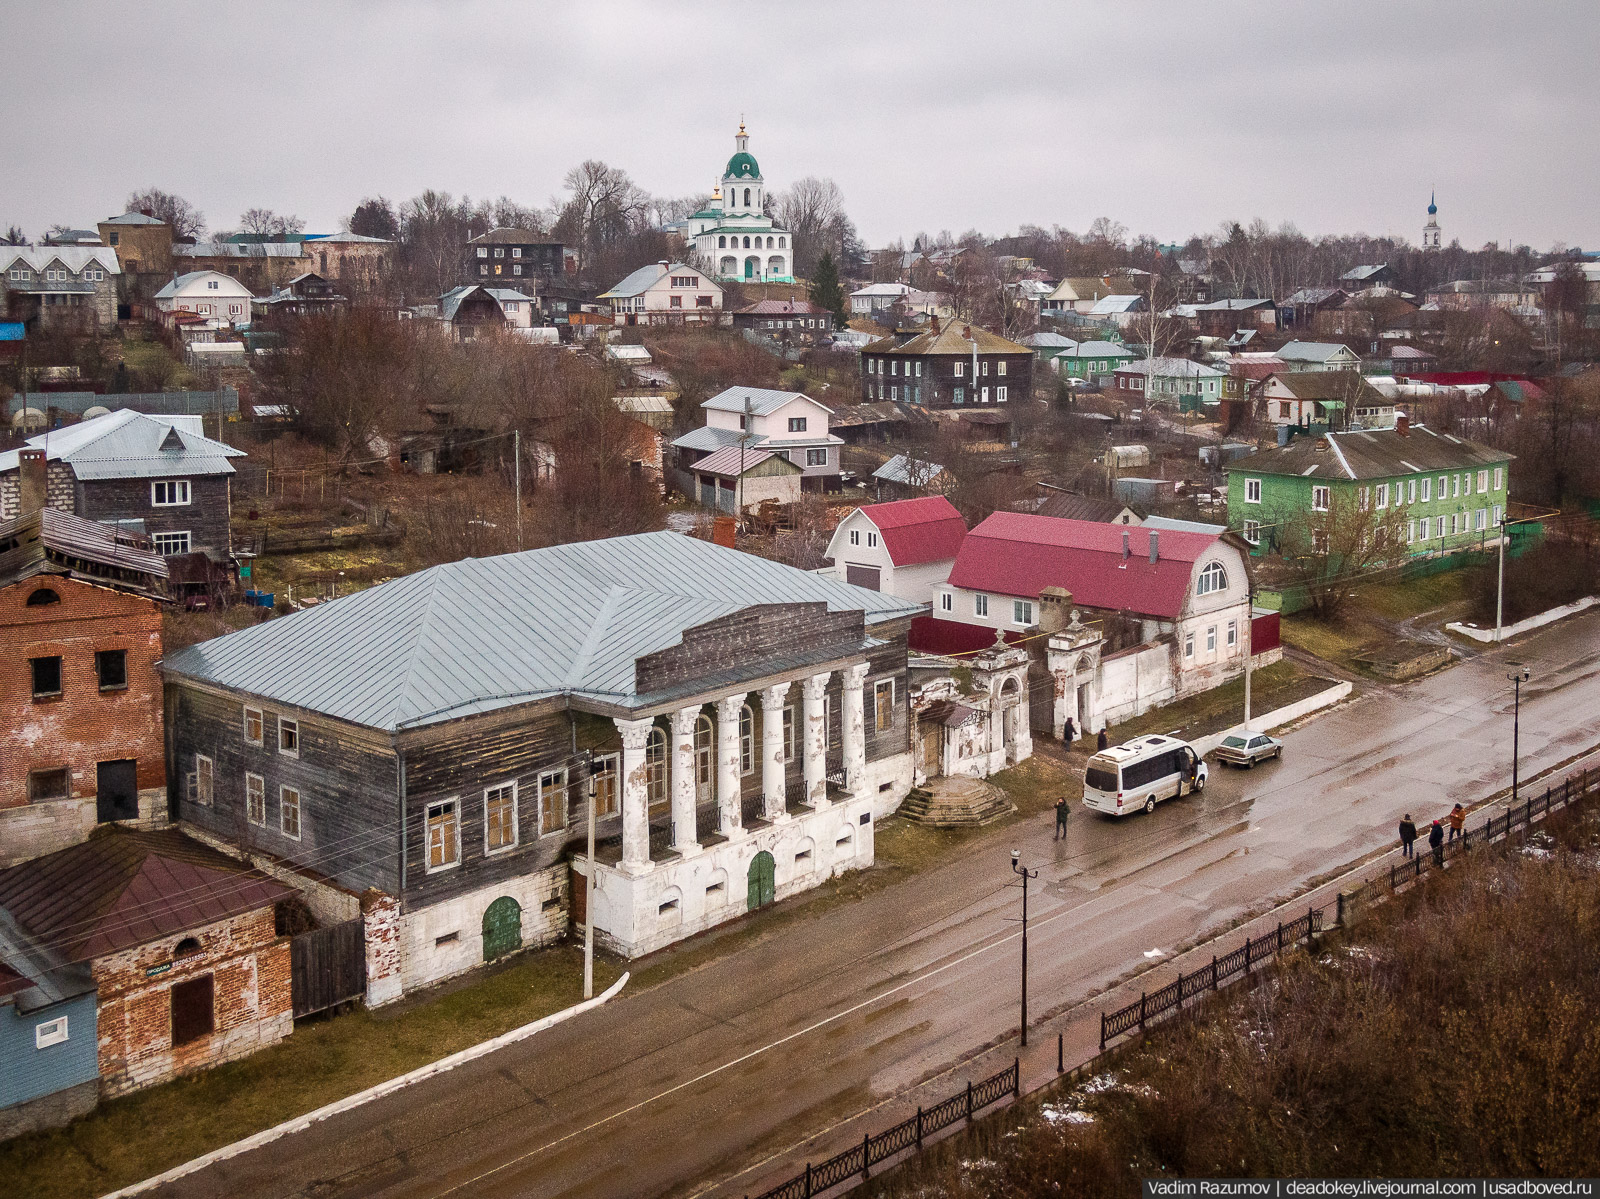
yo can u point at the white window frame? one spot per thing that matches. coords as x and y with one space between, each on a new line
1188 647
947 601
169 543
1252 491
50 1032
1427 489
1211 639
1022 612
516 823
1483 481
1001 367
1480 520
872 540
1383 495
1252 532
451 857
1499 478
1411 492
294 750
169 488
855 536
747 741
788 733
1000 395
1233 633
1321 497
561 784
284 808
205 780
255 799
980 604
261 725
958 368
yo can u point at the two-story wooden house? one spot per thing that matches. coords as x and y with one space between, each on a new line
950 365
512 258
59 286
157 472
737 725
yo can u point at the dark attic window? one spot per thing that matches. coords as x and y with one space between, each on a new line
42 597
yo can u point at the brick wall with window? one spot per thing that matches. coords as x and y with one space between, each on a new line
92 652
184 1003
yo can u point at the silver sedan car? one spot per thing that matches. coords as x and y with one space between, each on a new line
1246 749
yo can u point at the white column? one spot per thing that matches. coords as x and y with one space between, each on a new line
635 794
683 832
729 800
772 785
816 739
853 728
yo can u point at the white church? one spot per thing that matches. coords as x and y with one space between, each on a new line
732 235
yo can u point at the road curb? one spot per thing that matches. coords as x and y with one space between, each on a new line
300 1123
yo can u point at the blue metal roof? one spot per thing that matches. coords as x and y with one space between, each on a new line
11 330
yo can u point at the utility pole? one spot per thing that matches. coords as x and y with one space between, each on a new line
1249 649
588 898
1518 677
1018 868
1500 585
744 437
516 478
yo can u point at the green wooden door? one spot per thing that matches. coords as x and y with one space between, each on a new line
502 928
763 885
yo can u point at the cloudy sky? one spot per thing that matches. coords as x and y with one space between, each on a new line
1168 117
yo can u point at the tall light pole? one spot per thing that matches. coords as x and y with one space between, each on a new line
1018 868
1518 677
1500 585
588 897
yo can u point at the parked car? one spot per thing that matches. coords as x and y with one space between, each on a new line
1246 749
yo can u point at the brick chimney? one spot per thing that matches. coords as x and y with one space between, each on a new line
31 481
722 531
1402 424
1055 609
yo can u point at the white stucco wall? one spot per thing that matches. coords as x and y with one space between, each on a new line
424 960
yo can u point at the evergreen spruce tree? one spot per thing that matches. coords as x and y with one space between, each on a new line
825 289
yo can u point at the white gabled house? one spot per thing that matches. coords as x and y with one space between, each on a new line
785 424
210 294
904 549
666 293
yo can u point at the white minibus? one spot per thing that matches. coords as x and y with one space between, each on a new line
1140 773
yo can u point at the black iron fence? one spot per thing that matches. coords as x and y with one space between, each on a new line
908 1134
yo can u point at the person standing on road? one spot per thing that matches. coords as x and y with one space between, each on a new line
1069 731
1061 819
1408 835
1102 740
1436 843
1458 823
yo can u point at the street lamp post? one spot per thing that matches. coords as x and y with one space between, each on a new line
1018 868
1518 677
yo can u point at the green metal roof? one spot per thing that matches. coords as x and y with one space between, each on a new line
742 166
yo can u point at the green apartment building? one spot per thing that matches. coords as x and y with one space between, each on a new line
1091 359
1451 492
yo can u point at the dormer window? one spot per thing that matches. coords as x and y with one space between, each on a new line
212 284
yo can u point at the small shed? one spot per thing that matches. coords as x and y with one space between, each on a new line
735 478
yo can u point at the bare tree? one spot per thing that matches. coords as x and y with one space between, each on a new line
263 222
812 210
186 220
1324 552
434 232
605 207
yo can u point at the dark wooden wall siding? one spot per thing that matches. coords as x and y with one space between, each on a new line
348 790
478 754
748 638
204 518
889 661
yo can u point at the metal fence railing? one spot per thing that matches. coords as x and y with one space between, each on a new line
908 1134
1231 967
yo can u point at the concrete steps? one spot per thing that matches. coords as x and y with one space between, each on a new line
956 803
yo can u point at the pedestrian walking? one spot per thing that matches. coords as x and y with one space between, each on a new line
1408 836
1069 731
1061 819
1458 823
1436 843
1102 740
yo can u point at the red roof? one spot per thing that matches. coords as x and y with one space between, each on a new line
1017 553
930 635
921 530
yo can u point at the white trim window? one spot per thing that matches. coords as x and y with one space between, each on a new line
1480 520
1423 528
1188 647
1022 612
169 493
255 800
883 705
980 604
788 733
1211 639
205 779
288 737
1427 489
1483 481
1000 393
1252 532
947 601
1001 367
253 722
1383 495
1319 541
1319 499
444 835
1499 478
1411 492
50 1032
747 740
1444 487
289 812
1212 578
855 536
499 818
1233 633
170 544
1252 491
552 802
872 540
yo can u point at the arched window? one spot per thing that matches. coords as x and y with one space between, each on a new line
783 243
705 758
1212 578
747 197
769 243
747 740
41 597
722 243
747 243
655 767
187 946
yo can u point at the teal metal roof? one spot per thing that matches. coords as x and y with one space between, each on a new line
742 166
489 633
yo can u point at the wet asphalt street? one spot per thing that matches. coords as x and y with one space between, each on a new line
706 1083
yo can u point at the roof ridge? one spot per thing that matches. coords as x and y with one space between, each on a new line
402 692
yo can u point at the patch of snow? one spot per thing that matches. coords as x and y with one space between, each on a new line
1055 1114
1099 1084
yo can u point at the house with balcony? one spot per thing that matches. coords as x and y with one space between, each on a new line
435 742
786 425
70 286
666 293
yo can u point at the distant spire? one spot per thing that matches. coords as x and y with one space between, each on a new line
1433 209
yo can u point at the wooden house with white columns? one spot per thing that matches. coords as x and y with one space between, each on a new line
434 743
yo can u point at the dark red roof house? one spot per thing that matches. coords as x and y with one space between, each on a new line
904 548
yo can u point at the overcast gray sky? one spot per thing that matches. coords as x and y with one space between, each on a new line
1168 117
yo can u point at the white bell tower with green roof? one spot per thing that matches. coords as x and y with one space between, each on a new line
732 235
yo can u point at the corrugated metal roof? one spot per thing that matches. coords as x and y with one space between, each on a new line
928 529
175 287
132 218
911 471
129 445
731 461
1112 305
708 438
1178 368
483 634
73 258
1370 454
1097 349
644 278
763 401
1312 351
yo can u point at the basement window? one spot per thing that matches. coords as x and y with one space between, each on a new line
447 939
47 784
51 1032
670 906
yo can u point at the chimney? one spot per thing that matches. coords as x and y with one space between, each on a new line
1153 553
1055 606
933 323
722 531
1127 551
30 481
1402 424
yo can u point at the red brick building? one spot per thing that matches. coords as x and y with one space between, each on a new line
181 941
80 634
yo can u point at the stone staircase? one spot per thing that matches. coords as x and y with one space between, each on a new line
958 802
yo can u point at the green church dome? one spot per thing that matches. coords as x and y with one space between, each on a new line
742 166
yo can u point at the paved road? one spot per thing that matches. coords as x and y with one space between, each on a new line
707 1083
